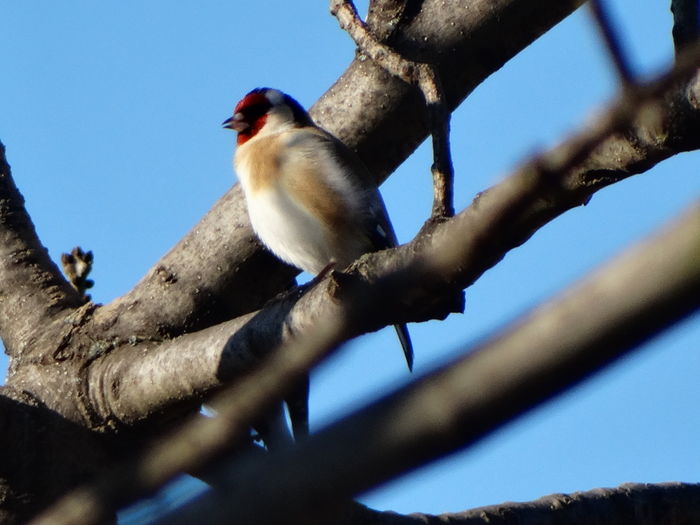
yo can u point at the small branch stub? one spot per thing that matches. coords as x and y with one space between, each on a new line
77 265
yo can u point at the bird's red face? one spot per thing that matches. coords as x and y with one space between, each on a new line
249 116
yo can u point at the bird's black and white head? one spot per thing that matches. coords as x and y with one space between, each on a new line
266 110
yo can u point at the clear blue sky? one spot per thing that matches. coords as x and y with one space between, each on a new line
111 115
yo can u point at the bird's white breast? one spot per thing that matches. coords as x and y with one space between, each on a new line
284 223
289 231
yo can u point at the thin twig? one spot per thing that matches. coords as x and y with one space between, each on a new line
426 78
686 23
612 42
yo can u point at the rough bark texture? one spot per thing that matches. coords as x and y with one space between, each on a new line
89 384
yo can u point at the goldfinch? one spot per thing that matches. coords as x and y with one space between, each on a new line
302 189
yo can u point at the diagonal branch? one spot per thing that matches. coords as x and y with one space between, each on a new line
32 289
546 351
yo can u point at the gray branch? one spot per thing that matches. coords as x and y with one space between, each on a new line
33 293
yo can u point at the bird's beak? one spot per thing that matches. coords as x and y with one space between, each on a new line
236 123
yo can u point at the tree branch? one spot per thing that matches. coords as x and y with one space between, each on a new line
32 290
548 350
641 504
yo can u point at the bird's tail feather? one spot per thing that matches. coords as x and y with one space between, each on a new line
406 344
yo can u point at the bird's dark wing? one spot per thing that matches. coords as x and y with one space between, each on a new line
377 226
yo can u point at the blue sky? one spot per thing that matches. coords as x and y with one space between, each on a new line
111 115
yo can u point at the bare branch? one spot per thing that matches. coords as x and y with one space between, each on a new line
200 440
463 38
641 504
426 77
32 289
612 42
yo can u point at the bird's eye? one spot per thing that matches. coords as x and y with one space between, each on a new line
255 111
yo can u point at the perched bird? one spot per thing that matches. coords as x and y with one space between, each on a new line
302 189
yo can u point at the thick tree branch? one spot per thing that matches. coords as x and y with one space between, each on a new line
43 455
551 348
32 290
373 113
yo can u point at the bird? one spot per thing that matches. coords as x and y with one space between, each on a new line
303 189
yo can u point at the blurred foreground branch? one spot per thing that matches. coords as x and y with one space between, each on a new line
639 294
636 296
